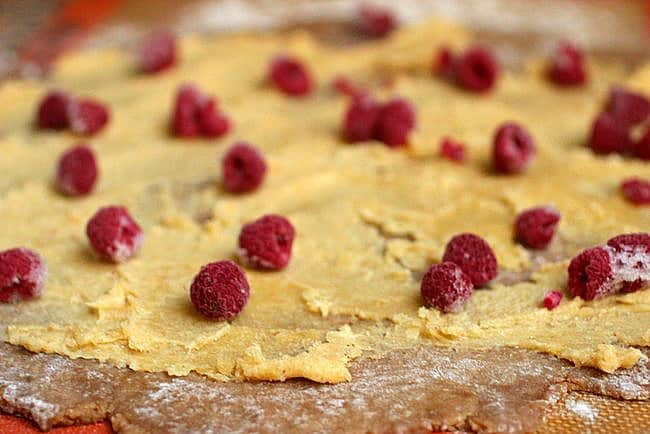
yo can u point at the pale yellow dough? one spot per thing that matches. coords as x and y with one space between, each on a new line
369 219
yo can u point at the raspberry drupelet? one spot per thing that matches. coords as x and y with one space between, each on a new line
22 275
477 70
220 290
446 287
244 168
266 243
636 190
535 227
375 21
567 66
474 256
452 150
157 52
513 149
290 76
113 234
552 299
77 172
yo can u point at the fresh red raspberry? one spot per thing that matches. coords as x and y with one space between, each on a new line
452 150
513 149
266 243
567 66
53 111
113 234
444 63
244 168
608 135
446 287
474 256
535 227
211 121
345 86
636 190
87 116
220 290
395 121
360 119
22 275
477 70
183 121
629 108
375 21
552 299
641 148
77 171
157 52
290 76
591 274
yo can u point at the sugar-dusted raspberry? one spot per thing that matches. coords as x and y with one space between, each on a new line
639 241
52 112
157 52
113 234
591 275
444 63
220 290
290 76
641 149
347 87
375 21
212 122
452 150
474 256
76 172
477 70
567 66
243 168
627 107
513 148
266 243
608 135
22 275
631 260
360 120
87 116
535 227
395 122
552 299
446 287
636 190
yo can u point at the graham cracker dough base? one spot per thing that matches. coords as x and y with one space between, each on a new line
406 391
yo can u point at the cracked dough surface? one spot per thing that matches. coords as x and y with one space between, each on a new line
369 219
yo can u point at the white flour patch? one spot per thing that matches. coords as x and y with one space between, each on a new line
582 409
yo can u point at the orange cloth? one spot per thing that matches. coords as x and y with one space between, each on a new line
15 425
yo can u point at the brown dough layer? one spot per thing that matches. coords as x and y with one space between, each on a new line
501 390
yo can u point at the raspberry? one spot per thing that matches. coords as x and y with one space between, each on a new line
444 63
395 121
627 107
636 190
361 119
535 227
76 172
513 149
624 242
22 275
567 66
591 274
552 299
631 260
641 148
452 150
87 116
608 135
474 256
244 168
220 290
113 234
266 243
290 76
53 111
212 122
345 86
446 287
157 52
376 22
477 70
